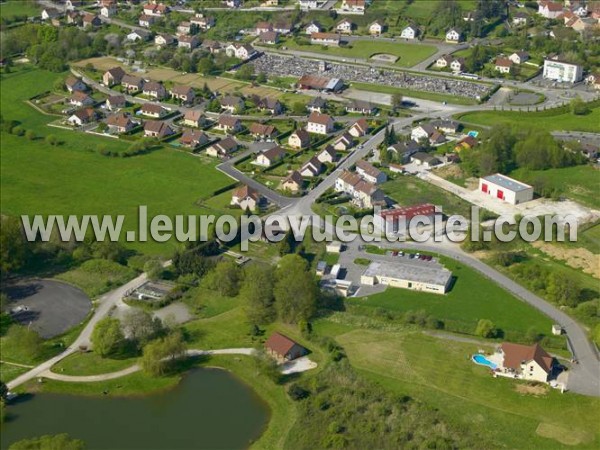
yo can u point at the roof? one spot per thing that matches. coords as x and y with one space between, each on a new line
116 72
425 157
503 62
506 182
269 36
85 114
515 354
446 123
230 100
368 168
552 6
79 96
350 178
246 191
360 104
294 177
302 134
318 102
321 119
329 150
153 86
362 124
314 163
152 108
428 128
120 120
116 100
408 212
182 90
262 129
227 144
71 81
156 126
131 80
228 121
406 270
325 36
446 58
316 82
274 153
194 115
190 136
280 344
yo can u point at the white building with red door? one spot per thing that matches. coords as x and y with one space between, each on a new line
504 188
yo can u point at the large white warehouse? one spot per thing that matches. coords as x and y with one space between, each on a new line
504 188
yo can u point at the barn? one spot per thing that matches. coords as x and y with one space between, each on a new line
504 188
283 348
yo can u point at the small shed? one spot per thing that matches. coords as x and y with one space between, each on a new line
283 348
321 268
333 247
557 330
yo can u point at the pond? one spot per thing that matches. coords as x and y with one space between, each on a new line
209 409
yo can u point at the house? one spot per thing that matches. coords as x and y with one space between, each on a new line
240 51
184 28
325 39
263 27
376 28
437 138
75 84
344 143
108 10
193 118
271 105
520 18
113 76
444 61
425 159
400 274
409 32
283 349
283 27
246 198
81 99
519 57
293 182
361 107
131 83
404 150
269 37
232 3
527 362
593 80
184 94
155 90
363 193
316 104
370 173
164 40
504 188
156 9
269 157
232 104
354 5
446 125
359 128
327 155
154 110
503 65
467 142
194 138
116 102
317 83
203 22
457 64
229 124
423 131
398 219
71 5
146 21
120 123
309 4
319 123
550 9
157 129
90 21
51 13
313 27
222 149
311 168
82 116
187 42
299 139
262 131
344 26
213 47
74 18
139 35
562 71
579 9
453 36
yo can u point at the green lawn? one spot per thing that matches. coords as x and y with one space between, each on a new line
440 373
9 372
543 119
434 96
96 276
472 297
13 8
74 179
82 364
408 54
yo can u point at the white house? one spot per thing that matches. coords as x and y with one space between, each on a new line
269 157
376 28
453 36
550 9
503 65
457 65
354 5
409 32
311 168
319 123
443 61
345 26
240 51
504 188
562 71
422 131
313 27
519 57
526 362
370 173
108 10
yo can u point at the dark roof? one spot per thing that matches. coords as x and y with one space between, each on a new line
322 119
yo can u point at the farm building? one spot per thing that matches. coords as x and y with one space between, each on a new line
283 348
505 188
398 219
431 278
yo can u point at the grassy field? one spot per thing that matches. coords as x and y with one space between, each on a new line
34 173
579 183
82 364
9 372
464 305
96 276
416 94
14 8
439 372
408 54
543 120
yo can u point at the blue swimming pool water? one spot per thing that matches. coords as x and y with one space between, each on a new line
473 133
483 361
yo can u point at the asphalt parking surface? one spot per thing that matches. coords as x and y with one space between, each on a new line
50 307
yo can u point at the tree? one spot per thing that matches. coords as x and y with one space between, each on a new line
48 442
257 292
25 339
102 127
107 336
51 139
295 290
225 278
246 72
205 66
30 135
160 354
485 328
287 244
396 101
261 78
14 248
3 390
563 289
579 107
299 108
154 269
141 327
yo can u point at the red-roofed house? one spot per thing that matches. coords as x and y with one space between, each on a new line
528 362
283 348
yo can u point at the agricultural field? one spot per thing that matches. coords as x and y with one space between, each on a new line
19 8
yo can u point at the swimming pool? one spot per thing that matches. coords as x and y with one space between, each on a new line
483 361
473 133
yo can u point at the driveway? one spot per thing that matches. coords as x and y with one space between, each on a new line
298 365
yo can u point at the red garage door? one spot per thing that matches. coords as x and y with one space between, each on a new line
500 194
484 187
